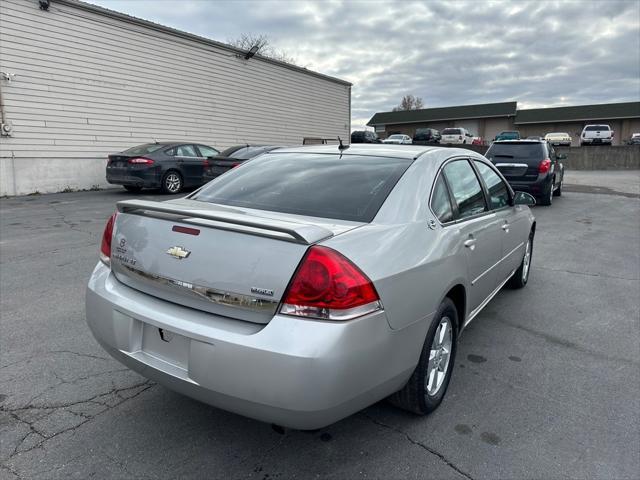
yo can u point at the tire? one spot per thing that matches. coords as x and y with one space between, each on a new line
547 197
558 191
521 276
172 182
132 188
420 395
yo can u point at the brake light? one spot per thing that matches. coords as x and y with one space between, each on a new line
206 163
105 247
234 165
460 137
329 286
141 161
545 166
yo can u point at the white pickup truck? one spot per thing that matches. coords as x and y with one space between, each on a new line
596 135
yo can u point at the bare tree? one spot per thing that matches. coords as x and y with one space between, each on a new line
409 102
247 40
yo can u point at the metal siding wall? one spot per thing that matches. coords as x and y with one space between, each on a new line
87 85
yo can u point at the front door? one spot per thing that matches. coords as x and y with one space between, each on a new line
190 164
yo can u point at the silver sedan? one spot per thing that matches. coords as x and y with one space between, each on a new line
311 282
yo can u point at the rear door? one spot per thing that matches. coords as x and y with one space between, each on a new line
479 229
190 163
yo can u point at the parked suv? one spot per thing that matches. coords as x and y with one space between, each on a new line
456 136
531 166
426 136
364 136
596 135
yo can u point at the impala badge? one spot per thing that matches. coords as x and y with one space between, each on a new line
178 252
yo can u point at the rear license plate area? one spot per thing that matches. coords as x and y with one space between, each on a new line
166 345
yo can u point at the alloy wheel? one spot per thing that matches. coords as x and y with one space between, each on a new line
439 356
526 262
173 182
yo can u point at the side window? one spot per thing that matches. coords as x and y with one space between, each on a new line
186 151
440 201
498 190
465 188
171 152
207 151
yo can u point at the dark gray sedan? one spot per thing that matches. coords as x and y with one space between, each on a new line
169 166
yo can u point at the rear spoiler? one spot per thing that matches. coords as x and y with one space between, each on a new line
264 227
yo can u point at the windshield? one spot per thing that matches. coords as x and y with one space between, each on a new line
451 131
557 134
144 149
245 153
347 187
522 151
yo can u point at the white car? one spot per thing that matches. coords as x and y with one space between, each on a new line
558 138
596 135
399 139
456 136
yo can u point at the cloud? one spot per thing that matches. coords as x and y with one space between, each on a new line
447 52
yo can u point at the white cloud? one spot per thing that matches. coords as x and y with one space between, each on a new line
449 53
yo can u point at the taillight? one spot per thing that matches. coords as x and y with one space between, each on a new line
105 247
329 286
545 166
234 165
460 137
206 163
141 161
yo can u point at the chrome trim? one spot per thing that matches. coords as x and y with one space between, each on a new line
473 282
476 311
519 165
213 295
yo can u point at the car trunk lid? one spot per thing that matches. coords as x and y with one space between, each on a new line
233 262
517 161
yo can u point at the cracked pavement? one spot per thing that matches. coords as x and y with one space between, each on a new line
546 381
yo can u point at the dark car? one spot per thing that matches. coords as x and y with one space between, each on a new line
426 136
169 166
531 166
364 136
508 135
232 157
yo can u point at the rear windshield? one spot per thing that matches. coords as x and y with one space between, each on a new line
523 151
451 131
398 137
144 149
595 128
348 187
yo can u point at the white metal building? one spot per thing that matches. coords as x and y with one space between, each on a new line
78 82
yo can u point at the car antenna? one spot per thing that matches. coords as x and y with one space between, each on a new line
341 146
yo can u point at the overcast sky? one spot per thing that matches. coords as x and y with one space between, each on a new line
540 53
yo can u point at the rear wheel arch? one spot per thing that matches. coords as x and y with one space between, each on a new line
458 295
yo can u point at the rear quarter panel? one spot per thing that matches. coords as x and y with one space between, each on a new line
411 265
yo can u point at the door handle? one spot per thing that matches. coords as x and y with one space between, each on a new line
470 243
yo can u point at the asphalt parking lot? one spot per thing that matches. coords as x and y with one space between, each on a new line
546 383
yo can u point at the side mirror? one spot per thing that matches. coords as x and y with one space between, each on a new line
561 156
523 198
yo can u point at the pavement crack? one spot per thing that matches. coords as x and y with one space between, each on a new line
70 224
419 444
587 274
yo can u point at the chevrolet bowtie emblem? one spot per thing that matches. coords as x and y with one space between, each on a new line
178 252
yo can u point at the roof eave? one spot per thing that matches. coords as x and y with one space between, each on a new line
443 119
577 120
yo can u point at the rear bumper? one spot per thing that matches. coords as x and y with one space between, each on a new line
296 373
596 141
149 177
536 188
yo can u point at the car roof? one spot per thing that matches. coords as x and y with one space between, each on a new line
521 141
379 150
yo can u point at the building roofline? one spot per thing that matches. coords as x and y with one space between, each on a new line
578 120
444 119
190 36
